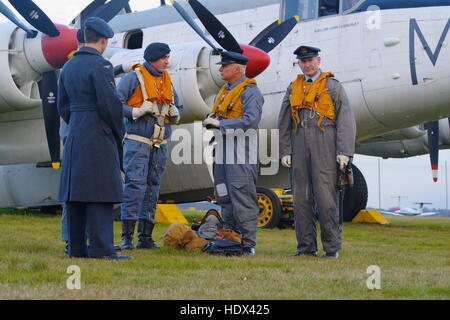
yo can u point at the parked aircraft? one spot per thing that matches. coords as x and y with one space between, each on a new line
411 211
391 56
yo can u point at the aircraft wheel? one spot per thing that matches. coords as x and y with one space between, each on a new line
355 199
269 208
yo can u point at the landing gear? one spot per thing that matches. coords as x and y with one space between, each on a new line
276 205
269 207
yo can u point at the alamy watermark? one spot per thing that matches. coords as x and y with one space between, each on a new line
374 280
373 21
73 282
252 146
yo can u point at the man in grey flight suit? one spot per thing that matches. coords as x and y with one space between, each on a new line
90 174
235 180
144 163
314 147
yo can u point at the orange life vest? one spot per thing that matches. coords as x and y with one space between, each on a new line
159 89
313 96
228 104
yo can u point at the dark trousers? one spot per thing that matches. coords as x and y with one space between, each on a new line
93 221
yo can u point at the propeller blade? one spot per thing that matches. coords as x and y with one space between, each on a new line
273 37
89 9
128 8
215 27
13 18
193 25
264 32
48 88
35 16
110 9
433 146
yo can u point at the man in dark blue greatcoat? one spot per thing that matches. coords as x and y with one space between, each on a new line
90 177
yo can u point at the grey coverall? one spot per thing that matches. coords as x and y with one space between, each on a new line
314 167
235 183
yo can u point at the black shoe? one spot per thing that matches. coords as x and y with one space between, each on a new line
117 248
298 253
334 255
145 230
112 257
66 250
127 234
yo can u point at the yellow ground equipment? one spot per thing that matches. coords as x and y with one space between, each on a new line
168 214
370 216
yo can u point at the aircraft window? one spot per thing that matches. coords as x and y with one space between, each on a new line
305 9
349 4
133 40
328 7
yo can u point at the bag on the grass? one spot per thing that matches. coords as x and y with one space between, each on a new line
223 248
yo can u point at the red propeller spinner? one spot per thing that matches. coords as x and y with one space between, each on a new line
57 49
259 60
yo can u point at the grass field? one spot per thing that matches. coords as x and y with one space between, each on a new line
413 254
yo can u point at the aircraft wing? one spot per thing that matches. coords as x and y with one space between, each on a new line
428 214
391 213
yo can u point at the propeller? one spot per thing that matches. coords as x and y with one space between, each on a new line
56 43
258 48
217 30
13 18
35 16
433 146
193 25
269 38
263 33
47 89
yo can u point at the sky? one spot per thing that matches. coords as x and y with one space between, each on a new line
409 178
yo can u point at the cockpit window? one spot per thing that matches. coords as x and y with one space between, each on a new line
328 7
305 9
349 4
311 9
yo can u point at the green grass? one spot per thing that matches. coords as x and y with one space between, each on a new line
412 253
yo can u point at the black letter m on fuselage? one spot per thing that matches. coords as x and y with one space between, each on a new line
414 28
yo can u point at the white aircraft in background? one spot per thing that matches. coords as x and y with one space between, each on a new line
392 57
411 211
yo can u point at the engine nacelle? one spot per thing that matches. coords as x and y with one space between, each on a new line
194 74
23 60
415 145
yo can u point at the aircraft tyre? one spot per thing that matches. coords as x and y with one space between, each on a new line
355 198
